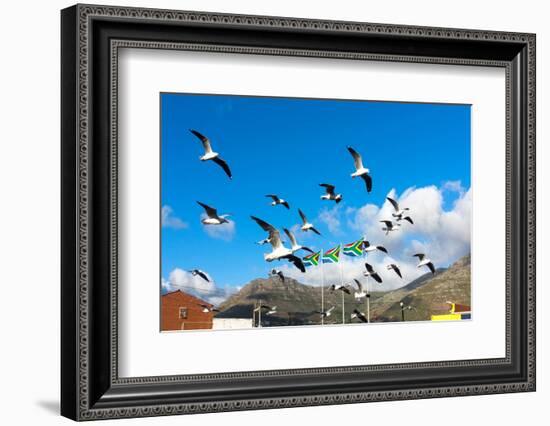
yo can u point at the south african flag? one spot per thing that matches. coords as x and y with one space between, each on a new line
354 249
312 259
332 255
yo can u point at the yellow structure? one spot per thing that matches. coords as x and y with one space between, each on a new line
457 312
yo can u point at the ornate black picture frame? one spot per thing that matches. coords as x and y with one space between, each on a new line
91 36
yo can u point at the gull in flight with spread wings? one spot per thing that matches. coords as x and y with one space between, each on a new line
372 273
361 293
211 155
424 261
330 194
294 245
200 273
390 226
277 272
394 267
399 214
213 217
340 287
368 247
277 200
326 313
359 315
279 250
208 308
306 226
360 171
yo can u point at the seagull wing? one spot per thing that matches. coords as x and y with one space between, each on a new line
359 285
369 267
275 239
408 219
368 181
419 255
263 224
303 216
296 261
431 266
210 211
328 187
356 158
396 269
315 230
307 249
393 203
285 203
377 278
203 276
388 223
291 237
345 289
205 141
281 275
273 196
382 248
223 165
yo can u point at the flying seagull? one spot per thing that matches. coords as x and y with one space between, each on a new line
306 226
330 194
361 293
277 200
279 250
359 315
368 247
372 273
209 308
277 272
200 273
295 246
395 268
326 313
213 217
399 214
271 310
336 287
211 155
424 261
390 226
360 171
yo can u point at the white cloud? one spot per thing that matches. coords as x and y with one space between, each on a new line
171 221
443 235
453 186
331 218
180 279
225 231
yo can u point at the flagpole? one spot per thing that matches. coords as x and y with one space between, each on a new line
368 291
368 302
342 283
322 290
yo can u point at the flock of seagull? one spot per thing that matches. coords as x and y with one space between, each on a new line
282 253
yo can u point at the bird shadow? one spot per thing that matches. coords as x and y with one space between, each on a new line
51 406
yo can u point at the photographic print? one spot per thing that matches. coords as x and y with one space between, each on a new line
312 212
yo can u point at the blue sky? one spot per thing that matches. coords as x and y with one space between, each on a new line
288 146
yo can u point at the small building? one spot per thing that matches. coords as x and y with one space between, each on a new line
183 311
232 323
456 312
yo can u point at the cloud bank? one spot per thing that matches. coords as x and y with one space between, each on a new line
180 279
224 232
168 219
443 235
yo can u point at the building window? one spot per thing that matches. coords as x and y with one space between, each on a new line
183 313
